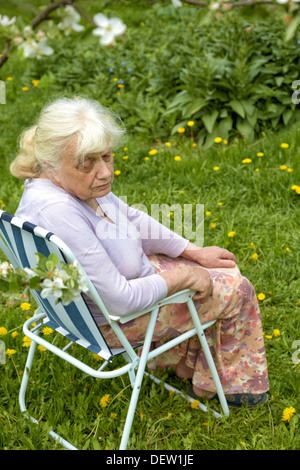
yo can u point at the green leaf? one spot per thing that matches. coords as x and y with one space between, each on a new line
209 120
237 107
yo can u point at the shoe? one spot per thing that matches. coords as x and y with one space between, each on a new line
234 400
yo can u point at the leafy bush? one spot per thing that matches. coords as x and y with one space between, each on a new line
230 75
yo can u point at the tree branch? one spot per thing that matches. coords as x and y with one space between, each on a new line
4 56
50 8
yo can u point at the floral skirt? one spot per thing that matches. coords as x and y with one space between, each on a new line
235 340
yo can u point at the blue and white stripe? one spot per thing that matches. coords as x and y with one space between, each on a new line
20 241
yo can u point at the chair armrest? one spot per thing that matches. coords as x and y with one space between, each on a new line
178 298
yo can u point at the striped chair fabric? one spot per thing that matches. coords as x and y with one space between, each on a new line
20 241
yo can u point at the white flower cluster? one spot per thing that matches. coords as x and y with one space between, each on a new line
65 286
34 45
5 268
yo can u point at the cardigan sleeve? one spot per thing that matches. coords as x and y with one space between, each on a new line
121 296
156 238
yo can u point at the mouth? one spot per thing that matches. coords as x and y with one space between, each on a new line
102 186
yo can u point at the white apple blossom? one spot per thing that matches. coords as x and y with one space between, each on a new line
5 267
108 29
70 21
5 21
52 288
177 3
35 49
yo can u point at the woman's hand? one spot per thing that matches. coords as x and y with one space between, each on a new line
189 277
210 256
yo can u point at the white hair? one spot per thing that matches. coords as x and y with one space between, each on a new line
86 124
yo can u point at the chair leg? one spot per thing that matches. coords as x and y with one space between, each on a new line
138 380
209 358
22 395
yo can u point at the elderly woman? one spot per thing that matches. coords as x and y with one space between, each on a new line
67 162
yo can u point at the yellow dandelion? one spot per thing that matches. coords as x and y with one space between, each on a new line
260 154
14 334
231 234
283 167
113 415
220 203
104 400
288 250
3 331
125 149
225 141
208 213
268 336
261 296
168 144
41 348
297 190
247 160
35 82
252 245
177 158
47 330
218 140
146 158
213 225
25 306
256 170
9 79
191 123
288 413
254 256
181 130
194 145
195 404
216 168
276 332
117 172
10 352
284 145
152 152
289 170
125 157
25 88
115 79
121 85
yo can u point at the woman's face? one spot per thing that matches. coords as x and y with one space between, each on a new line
87 180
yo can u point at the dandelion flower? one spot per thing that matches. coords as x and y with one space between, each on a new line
268 336
47 330
260 154
14 334
218 140
231 234
104 400
35 82
288 250
152 152
191 123
288 413
3 331
289 170
181 130
276 332
283 167
125 157
195 404
220 203
9 79
25 88
168 144
207 213
117 172
10 352
113 415
213 225
225 141
261 296
25 306
177 158
284 145
254 256
247 160
216 168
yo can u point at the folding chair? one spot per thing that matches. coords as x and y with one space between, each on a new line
20 240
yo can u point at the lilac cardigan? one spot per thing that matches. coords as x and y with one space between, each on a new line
113 255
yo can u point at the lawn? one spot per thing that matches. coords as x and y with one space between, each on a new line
249 189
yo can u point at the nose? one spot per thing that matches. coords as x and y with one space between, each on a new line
103 170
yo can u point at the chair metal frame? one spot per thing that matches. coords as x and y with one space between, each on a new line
16 236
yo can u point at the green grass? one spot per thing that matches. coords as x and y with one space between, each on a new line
259 206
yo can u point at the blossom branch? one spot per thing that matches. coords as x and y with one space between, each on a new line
4 56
